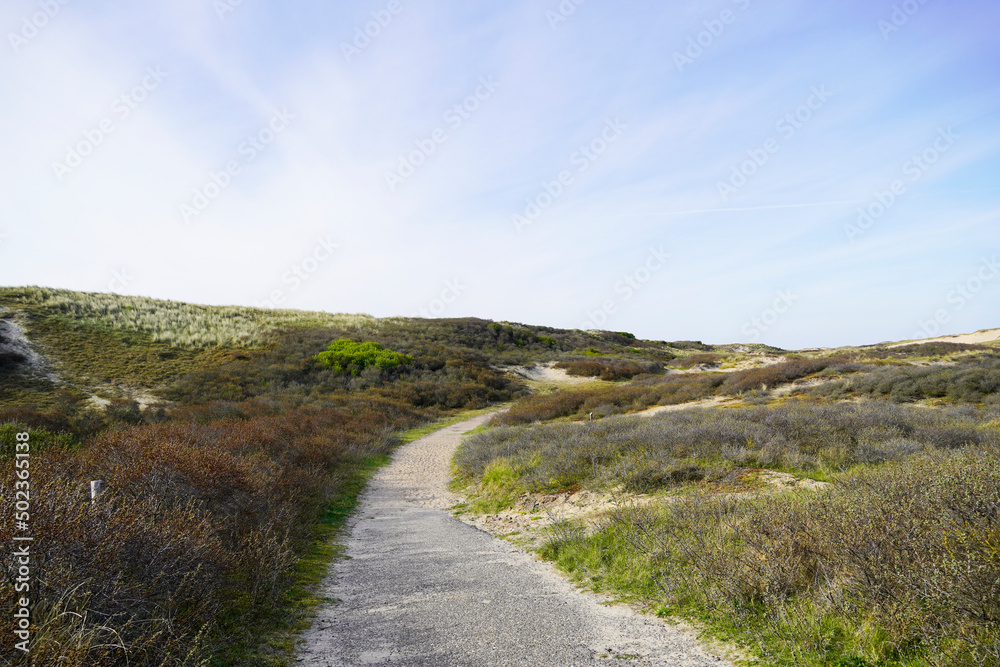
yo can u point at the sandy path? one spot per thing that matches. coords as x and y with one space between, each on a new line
421 588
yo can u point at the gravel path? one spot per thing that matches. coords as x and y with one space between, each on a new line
421 588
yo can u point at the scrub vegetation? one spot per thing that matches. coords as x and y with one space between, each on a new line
841 507
233 443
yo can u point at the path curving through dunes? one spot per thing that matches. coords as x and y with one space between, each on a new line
422 588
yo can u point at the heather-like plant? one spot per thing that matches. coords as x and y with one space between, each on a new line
652 452
893 565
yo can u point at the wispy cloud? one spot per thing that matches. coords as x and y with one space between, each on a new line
656 184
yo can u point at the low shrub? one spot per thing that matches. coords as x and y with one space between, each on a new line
794 436
609 370
198 532
973 380
894 565
771 376
643 392
696 360
935 349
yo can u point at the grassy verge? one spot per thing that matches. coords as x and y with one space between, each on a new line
269 639
281 626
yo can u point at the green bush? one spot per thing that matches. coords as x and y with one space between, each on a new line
346 356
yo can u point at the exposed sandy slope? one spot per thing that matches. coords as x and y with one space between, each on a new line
421 588
547 374
18 352
533 512
526 522
982 336
756 361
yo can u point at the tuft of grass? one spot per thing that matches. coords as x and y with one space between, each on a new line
497 488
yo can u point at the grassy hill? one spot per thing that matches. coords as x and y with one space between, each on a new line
233 449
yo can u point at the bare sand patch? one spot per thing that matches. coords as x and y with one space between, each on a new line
548 374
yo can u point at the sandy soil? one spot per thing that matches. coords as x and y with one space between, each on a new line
526 522
14 345
533 512
713 402
755 361
547 374
143 398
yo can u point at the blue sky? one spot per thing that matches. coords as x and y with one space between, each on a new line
677 170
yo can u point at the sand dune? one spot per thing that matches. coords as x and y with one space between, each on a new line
981 336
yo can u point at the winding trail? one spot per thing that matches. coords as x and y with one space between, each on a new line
422 588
